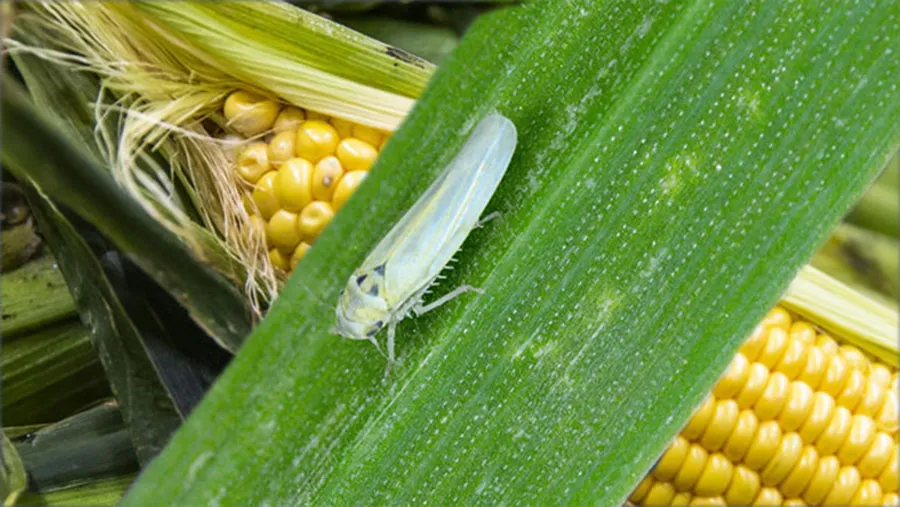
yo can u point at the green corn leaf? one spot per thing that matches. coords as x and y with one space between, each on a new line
677 164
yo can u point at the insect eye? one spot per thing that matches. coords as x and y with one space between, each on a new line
374 290
379 270
378 324
360 279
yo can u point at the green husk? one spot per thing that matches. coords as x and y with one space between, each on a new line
34 296
91 494
13 477
78 450
50 374
861 321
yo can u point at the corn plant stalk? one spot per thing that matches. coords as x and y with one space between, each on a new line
659 203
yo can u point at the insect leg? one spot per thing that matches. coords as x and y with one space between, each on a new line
390 347
487 218
419 308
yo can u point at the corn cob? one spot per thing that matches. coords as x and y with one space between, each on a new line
798 418
300 173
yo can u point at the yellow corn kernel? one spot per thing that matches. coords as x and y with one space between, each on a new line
887 416
327 174
872 399
264 195
836 431
671 460
316 140
774 397
290 118
888 478
697 423
282 230
753 345
868 493
794 358
763 446
877 456
345 188
356 155
698 500
814 371
793 502
249 113
738 443
368 134
862 434
293 184
788 454
853 390
278 259
299 253
827 344
891 499
724 419
855 358
776 346
253 162
881 374
691 469
803 332
824 476
768 497
281 148
756 384
344 128
798 406
743 488
778 318
640 492
660 493
314 218
844 487
798 478
818 418
715 476
681 499
734 379
836 375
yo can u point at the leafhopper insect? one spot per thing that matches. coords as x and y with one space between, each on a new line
389 285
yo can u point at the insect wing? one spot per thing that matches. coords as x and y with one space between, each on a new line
429 234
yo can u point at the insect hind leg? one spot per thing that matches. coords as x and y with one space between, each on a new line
419 308
487 218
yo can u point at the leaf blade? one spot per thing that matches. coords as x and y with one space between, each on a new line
648 224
